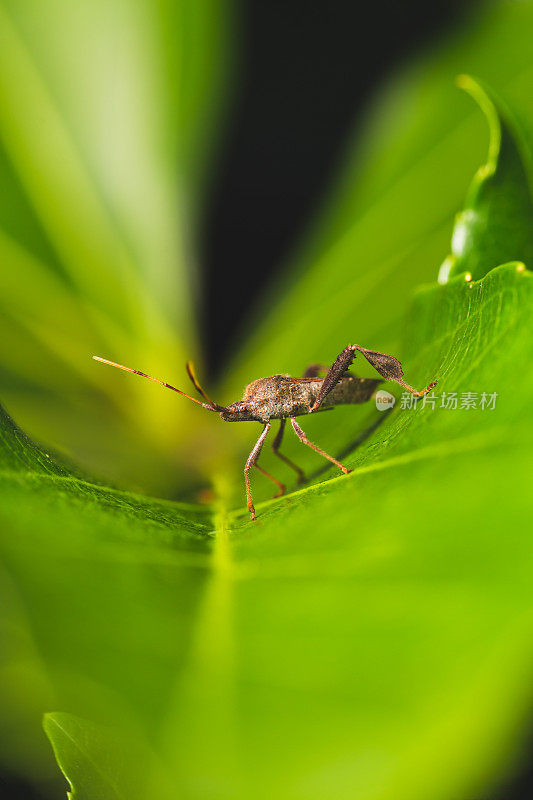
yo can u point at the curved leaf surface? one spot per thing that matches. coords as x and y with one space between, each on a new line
492 228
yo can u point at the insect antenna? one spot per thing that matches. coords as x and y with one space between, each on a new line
189 366
210 405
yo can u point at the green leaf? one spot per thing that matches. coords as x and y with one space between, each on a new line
369 631
369 635
378 626
100 763
100 590
495 225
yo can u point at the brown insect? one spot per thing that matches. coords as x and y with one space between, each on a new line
281 397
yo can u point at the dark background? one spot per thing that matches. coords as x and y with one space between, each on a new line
306 73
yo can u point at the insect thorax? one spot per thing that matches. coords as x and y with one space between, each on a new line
280 396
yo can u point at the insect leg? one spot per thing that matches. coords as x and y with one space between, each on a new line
275 447
337 370
282 487
252 458
303 438
388 367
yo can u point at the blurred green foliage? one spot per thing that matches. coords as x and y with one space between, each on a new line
106 113
370 635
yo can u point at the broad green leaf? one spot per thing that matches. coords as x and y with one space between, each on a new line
100 588
369 635
490 229
378 626
362 606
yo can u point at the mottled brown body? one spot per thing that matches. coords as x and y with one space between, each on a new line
282 397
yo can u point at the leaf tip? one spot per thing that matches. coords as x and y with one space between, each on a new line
474 86
49 721
464 81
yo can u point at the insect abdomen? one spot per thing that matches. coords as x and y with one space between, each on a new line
351 390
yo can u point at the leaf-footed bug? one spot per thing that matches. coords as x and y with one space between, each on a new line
281 397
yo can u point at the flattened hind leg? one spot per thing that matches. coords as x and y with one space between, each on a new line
336 371
388 367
